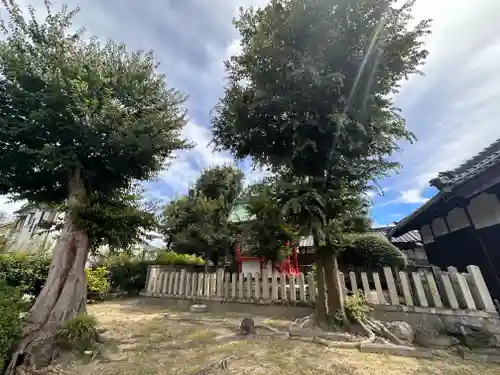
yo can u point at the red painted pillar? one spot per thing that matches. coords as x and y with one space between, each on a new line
237 256
295 259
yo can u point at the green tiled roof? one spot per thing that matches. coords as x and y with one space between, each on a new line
240 213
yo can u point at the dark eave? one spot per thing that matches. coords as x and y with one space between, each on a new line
410 222
471 178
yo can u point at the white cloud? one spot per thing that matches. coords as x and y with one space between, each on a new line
8 207
453 109
411 196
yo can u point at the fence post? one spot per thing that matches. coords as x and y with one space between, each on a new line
283 287
220 282
265 284
187 291
274 287
182 282
249 286
378 288
234 283
148 283
366 284
480 289
462 289
436 298
403 278
419 289
449 293
293 290
171 283
311 287
227 281
257 286
391 285
241 279
164 287
200 285
354 282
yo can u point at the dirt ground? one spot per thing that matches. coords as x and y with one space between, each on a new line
150 340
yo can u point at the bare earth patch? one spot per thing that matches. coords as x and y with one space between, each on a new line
153 341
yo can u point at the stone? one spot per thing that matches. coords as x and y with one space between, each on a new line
430 340
88 352
473 336
400 350
402 331
481 356
198 308
247 327
337 336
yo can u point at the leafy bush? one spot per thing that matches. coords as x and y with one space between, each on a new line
166 258
24 271
128 275
97 283
371 250
356 308
78 333
11 307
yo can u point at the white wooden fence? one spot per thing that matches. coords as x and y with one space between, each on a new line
451 289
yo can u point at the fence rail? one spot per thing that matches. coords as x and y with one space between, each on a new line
442 289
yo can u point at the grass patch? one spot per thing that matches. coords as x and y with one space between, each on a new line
171 347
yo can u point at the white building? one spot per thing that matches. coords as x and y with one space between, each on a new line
28 234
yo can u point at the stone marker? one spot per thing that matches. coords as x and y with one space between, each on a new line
198 308
247 327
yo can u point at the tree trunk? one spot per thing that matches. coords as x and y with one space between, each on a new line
320 298
63 296
335 297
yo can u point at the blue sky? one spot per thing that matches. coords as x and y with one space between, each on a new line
453 109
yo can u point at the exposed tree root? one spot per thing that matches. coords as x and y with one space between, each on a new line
220 364
373 329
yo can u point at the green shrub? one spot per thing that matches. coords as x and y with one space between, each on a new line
356 308
128 275
11 306
78 333
24 271
97 283
166 258
370 250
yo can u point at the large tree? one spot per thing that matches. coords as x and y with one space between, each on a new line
79 120
198 222
311 97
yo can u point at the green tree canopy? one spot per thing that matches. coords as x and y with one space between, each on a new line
311 97
198 223
267 232
79 122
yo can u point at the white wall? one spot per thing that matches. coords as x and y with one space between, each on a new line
253 266
29 237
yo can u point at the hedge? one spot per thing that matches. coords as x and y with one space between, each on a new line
166 258
29 272
23 271
11 307
370 250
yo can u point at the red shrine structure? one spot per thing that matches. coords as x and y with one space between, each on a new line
289 266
